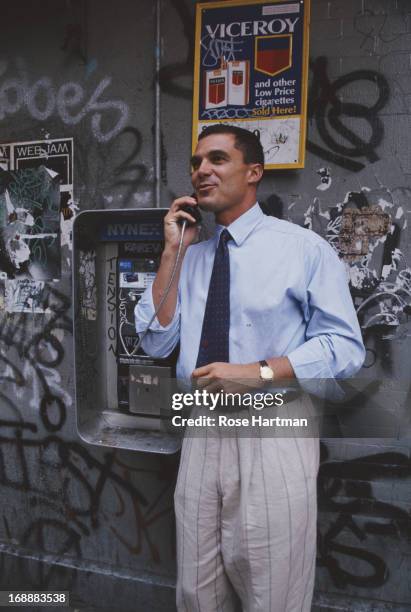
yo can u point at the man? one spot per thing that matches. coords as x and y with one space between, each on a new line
263 298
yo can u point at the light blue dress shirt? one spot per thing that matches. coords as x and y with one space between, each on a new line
288 297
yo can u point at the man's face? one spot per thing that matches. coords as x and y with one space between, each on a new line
220 177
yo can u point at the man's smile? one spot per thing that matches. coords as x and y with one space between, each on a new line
205 187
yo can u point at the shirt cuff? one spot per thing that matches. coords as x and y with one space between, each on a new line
144 311
314 375
306 364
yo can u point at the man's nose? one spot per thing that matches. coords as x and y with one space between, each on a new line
204 168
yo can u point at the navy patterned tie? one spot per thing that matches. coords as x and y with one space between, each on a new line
216 322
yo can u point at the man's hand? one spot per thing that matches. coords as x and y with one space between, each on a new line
172 227
172 234
227 377
237 377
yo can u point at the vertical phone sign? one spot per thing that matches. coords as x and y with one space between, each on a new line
251 70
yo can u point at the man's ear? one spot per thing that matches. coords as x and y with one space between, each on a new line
255 173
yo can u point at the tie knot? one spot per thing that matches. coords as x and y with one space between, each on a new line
225 236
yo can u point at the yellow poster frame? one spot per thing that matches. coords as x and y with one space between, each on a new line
300 163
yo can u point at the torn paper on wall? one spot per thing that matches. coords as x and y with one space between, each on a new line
88 288
30 224
57 156
25 295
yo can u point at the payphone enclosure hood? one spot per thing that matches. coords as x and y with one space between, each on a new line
120 396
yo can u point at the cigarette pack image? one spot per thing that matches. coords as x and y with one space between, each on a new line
238 82
215 88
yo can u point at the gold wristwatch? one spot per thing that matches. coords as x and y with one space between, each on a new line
266 373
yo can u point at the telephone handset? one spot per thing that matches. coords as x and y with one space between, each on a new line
193 211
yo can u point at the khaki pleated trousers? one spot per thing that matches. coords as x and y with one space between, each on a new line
246 512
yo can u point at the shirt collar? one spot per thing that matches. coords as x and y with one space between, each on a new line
243 226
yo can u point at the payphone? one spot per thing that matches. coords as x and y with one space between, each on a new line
122 394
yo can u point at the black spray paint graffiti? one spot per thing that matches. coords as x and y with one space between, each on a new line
74 494
378 27
63 482
130 172
73 42
345 489
121 174
38 354
328 111
43 99
170 74
36 537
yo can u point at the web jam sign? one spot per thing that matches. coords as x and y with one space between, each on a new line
273 53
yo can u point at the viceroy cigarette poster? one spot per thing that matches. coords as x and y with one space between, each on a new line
251 65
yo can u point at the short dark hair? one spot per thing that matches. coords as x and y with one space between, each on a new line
245 140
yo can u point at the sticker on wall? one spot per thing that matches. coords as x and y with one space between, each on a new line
4 157
30 224
87 285
57 156
250 70
36 215
68 210
25 296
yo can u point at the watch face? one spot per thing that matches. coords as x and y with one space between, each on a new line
266 373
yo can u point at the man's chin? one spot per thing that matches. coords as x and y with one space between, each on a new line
208 204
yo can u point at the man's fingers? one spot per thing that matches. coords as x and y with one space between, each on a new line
209 384
202 371
215 386
176 214
181 214
177 204
203 381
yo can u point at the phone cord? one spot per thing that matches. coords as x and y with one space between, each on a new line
166 292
